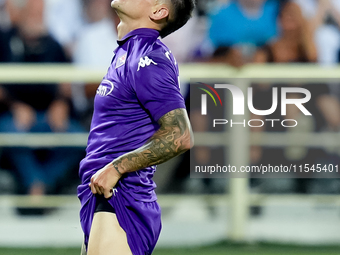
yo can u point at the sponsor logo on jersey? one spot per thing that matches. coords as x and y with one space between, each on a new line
121 61
146 61
105 88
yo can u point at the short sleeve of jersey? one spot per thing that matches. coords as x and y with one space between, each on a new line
156 83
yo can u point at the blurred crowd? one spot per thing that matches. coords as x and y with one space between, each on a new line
83 32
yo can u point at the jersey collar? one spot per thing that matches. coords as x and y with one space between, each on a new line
145 32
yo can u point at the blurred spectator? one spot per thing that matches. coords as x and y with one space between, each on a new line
36 107
90 49
295 43
237 28
204 7
94 49
324 16
4 19
64 19
5 55
4 27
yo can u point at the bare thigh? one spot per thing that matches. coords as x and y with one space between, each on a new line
106 236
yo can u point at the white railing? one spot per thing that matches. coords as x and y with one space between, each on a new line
70 73
239 197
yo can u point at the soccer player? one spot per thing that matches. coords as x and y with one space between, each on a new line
139 121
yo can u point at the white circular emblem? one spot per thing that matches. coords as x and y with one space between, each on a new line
105 88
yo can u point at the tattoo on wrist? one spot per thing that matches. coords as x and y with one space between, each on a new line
116 167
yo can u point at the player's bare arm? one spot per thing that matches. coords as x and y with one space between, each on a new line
172 139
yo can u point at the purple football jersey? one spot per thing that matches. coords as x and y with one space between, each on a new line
141 85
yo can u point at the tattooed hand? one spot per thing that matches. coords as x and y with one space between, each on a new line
103 181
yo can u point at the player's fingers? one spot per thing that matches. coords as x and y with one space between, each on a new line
108 193
101 190
92 181
97 188
93 190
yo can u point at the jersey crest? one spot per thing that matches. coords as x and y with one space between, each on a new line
121 61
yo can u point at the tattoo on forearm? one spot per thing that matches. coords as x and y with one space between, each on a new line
170 140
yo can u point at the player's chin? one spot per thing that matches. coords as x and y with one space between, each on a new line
115 3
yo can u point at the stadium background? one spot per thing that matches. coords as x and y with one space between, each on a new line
226 216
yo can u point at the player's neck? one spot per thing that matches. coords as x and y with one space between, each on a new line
124 28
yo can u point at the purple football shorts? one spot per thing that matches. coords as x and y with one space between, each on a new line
140 220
